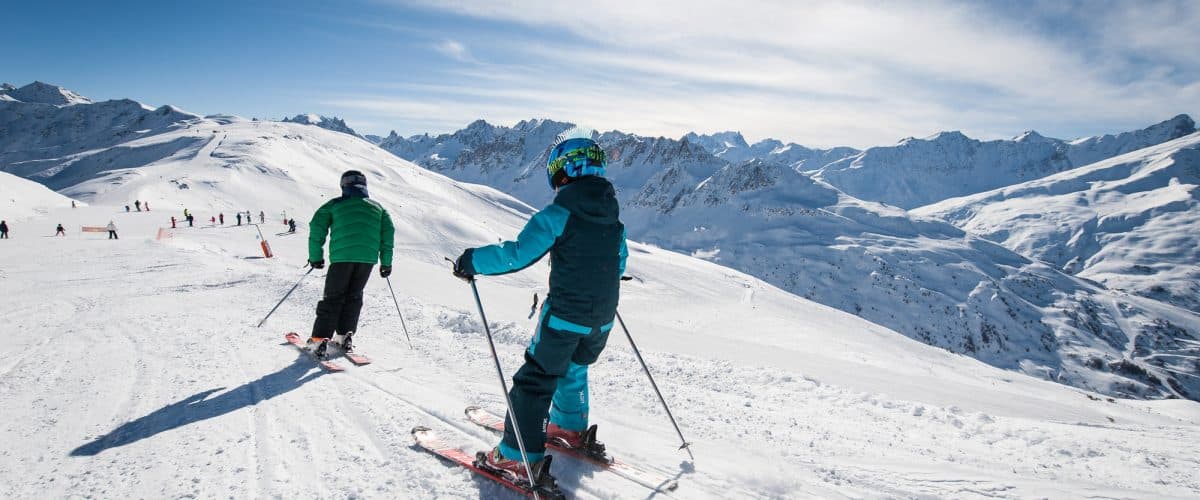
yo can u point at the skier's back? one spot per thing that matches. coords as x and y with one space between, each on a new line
360 234
583 234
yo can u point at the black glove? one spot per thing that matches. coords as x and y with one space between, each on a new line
320 264
463 268
385 271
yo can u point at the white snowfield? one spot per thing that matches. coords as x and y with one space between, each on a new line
1131 222
22 198
134 369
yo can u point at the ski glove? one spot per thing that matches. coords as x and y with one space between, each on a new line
320 264
385 271
463 268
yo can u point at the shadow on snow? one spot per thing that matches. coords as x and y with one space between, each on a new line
199 407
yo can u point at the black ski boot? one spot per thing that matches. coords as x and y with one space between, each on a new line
322 345
348 342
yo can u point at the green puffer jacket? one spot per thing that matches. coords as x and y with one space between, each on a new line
360 231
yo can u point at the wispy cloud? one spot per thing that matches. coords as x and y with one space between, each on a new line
823 73
453 49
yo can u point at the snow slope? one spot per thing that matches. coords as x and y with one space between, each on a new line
918 172
22 198
1131 222
158 385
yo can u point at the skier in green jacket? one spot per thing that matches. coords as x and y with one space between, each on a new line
360 233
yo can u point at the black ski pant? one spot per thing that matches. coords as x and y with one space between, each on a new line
552 353
112 235
338 311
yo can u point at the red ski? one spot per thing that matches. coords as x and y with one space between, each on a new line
655 481
329 366
427 439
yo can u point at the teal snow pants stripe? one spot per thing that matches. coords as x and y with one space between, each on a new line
555 370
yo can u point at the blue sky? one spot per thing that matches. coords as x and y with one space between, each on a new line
817 73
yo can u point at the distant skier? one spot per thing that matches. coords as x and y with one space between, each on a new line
222 218
190 218
212 220
72 203
3 229
126 208
291 225
582 233
239 218
112 231
360 234
60 231
146 205
262 217
138 204
172 222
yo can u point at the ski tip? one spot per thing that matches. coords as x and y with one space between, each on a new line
420 429
471 409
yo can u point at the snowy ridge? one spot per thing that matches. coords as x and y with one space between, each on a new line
918 172
326 122
812 402
60 146
921 277
732 147
42 93
1129 222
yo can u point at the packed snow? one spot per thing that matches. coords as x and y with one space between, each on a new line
23 198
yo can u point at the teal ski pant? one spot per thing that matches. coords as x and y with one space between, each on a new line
555 372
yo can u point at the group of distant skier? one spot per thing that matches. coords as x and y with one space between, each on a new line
136 203
581 232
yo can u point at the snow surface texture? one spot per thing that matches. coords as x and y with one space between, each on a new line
326 122
925 279
918 172
139 373
1130 222
22 198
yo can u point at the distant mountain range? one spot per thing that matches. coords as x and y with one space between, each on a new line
769 209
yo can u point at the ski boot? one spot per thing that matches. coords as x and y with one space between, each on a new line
347 342
514 471
318 346
582 441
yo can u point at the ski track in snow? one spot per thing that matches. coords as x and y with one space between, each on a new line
137 372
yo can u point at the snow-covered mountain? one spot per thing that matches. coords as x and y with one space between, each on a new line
43 93
732 147
918 172
923 278
63 145
326 122
160 386
1131 222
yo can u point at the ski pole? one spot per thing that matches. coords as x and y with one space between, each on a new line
398 313
285 296
504 386
686 445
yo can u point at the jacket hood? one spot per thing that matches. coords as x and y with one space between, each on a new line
591 198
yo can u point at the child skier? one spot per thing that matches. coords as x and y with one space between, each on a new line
583 234
112 231
4 229
360 233
59 231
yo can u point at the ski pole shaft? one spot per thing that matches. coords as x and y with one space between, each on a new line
504 387
398 313
285 296
686 445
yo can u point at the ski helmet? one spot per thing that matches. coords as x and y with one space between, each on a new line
574 155
354 178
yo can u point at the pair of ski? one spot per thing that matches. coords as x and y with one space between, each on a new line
328 365
429 440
